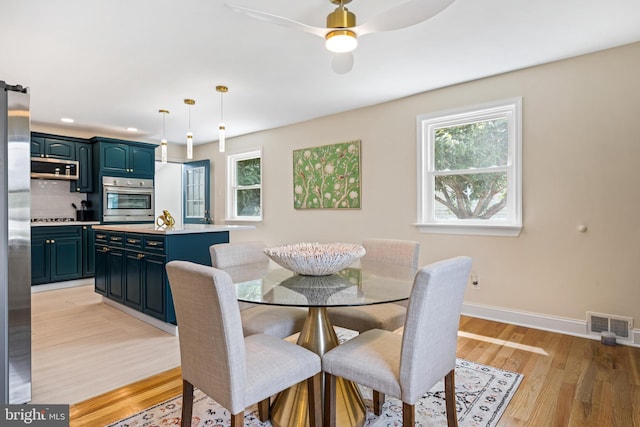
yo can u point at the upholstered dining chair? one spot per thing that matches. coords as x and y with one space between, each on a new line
388 257
406 366
233 370
241 260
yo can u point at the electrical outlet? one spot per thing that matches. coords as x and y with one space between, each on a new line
475 284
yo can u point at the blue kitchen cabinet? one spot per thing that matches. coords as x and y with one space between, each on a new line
84 156
101 261
56 254
138 279
124 158
54 146
88 251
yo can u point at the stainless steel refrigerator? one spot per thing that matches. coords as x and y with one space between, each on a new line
15 245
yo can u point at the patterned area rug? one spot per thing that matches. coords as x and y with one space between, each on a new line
482 395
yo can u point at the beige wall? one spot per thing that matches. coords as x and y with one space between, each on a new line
580 162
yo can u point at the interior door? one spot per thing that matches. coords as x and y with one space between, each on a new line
196 192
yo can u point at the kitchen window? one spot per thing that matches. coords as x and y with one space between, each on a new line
470 170
244 186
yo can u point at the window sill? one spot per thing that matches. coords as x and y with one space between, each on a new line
474 230
242 219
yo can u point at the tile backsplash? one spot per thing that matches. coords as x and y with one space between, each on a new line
52 199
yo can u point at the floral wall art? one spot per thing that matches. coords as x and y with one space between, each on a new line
327 177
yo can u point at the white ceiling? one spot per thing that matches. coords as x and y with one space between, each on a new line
111 64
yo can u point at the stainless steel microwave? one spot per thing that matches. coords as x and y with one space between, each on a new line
48 168
127 199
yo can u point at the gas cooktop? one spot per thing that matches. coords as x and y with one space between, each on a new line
52 219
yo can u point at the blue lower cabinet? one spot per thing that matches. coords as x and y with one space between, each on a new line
116 274
155 298
88 251
134 271
56 254
130 267
101 258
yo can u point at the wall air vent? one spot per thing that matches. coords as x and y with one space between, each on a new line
619 325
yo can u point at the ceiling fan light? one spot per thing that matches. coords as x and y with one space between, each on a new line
341 41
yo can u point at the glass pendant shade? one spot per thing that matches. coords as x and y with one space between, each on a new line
163 151
189 145
189 103
163 143
221 130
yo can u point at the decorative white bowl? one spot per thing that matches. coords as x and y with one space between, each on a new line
315 259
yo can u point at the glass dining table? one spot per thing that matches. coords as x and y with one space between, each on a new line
358 285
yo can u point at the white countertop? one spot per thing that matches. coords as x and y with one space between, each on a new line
178 229
63 223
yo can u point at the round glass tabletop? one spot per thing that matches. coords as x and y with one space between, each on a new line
267 283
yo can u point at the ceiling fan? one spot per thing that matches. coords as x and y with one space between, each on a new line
341 33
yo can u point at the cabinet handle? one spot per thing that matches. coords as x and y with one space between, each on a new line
84 227
47 241
116 239
140 256
100 236
132 240
153 243
105 249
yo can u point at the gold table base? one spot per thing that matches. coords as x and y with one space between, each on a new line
290 408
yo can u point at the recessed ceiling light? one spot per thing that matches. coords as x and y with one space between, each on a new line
132 129
66 120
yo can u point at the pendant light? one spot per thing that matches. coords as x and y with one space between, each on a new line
189 102
163 144
221 127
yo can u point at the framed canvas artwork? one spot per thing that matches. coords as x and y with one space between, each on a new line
327 177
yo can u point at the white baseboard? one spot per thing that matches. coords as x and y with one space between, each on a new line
544 322
61 285
163 326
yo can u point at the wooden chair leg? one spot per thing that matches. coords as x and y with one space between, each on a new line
237 420
408 414
450 398
378 401
314 392
329 400
187 403
263 410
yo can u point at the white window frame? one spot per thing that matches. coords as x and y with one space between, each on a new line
511 109
232 187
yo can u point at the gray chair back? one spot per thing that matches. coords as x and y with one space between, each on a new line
212 349
226 255
400 252
431 327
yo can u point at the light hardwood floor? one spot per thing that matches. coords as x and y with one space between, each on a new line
82 347
568 381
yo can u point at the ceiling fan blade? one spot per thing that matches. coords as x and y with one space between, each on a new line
279 20
342 63
404 15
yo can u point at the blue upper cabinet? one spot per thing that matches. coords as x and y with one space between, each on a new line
54 146
125 158
115 158
84 156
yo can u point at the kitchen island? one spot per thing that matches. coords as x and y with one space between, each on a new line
130 264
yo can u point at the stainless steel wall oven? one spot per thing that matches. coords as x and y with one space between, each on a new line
127 199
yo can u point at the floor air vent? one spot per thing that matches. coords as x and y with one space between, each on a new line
621 326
